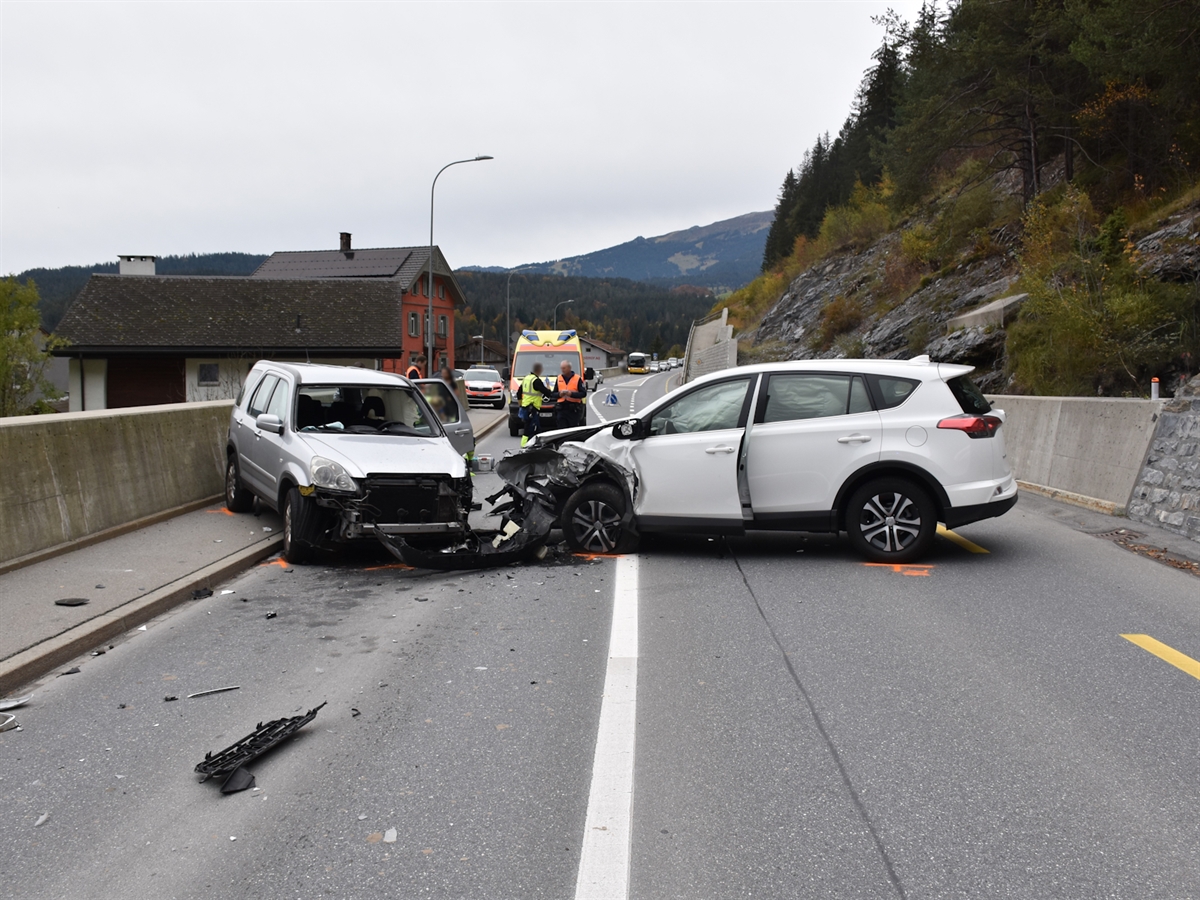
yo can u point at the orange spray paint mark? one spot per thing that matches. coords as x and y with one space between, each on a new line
222 510
903 568
277 561
593 556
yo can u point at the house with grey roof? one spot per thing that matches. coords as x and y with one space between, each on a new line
138 338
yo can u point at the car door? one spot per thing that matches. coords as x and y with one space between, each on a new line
268 447
450 412
250 436
811 431
687 464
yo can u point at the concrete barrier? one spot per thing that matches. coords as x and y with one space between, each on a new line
1168 490
1081 449
72 475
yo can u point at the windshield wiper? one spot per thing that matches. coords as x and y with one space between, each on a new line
397 424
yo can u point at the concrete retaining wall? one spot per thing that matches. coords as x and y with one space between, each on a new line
710 348
1093 447
72 475
1168 490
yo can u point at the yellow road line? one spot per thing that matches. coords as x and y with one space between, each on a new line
960 540
1165 653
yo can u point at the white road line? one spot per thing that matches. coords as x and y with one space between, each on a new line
607 832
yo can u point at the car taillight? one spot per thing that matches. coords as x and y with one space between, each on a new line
974 426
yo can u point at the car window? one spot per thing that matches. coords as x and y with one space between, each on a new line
258 403
813 396
482 375
279 401
442 400
969 397
890 391
710 408
362 410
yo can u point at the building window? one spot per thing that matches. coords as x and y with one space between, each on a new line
441 292
443 326
414 324
210 374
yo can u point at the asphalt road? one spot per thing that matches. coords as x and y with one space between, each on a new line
806 726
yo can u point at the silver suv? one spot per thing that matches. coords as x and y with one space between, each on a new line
345 453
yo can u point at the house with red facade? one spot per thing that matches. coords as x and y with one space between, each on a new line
138 338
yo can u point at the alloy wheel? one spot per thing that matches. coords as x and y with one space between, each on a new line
890 521
597 526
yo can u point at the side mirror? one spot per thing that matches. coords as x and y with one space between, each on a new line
507 373
268 422
629 430
589 373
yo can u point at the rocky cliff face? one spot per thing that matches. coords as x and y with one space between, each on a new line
796 327
800 323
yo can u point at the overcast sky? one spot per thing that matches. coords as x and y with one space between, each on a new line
173 128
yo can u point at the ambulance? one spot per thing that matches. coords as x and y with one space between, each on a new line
549 348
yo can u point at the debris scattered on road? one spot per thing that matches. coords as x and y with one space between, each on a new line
99 652
266 528
227 591
99 587
72 601
72 671
141 628
14 702
8 722
374 837
42 819
232 838
120 706
201 593
239 780
272 615
169 698
389 836
232 687
421 599
354 713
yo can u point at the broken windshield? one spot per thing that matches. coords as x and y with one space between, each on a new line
363 409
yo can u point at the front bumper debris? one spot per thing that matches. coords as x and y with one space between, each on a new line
537 483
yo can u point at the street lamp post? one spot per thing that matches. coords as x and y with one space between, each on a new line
429 326
556 306
479 337
508 312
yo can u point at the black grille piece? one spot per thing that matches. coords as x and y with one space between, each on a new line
253 745
408 501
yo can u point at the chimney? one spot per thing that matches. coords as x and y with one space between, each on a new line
345 235
137 265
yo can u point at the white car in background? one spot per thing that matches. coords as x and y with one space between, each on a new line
883 450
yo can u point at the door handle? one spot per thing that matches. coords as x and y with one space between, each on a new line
714 450
854 439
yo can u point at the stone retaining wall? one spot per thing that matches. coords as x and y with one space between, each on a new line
1167 493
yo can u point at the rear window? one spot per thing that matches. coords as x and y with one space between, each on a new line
969 397
889 391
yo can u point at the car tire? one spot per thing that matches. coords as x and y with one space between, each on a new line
301 518
499 404
891 520
237 498
592 520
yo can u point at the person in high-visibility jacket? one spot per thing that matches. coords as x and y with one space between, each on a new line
572 391
414 368
532 390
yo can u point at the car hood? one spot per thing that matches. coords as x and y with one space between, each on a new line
367 454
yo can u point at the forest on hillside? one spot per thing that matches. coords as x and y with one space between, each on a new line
631 315
1050 132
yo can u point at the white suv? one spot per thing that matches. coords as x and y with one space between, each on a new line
880 449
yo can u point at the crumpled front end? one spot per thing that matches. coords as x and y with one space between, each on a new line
537 483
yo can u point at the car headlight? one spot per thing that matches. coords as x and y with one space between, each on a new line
325 473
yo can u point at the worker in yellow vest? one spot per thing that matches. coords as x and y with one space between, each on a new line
531 391
572 391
